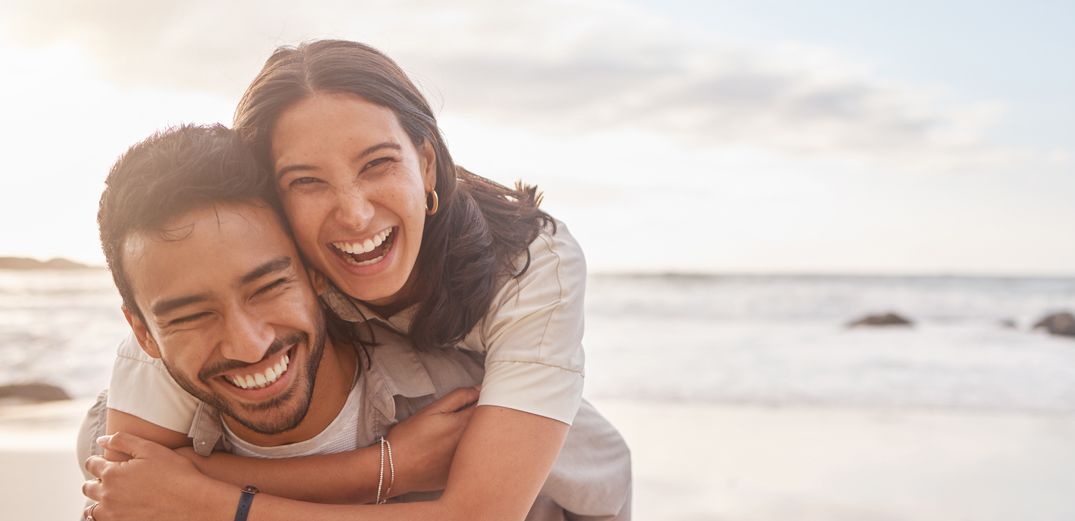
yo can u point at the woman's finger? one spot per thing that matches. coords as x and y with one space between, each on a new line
90 512
453 401
92 489
131 445
465 414
96 465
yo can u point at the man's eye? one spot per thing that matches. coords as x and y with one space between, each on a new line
271 286
300 181
189 318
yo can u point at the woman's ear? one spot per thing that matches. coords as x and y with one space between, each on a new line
427 158
142 334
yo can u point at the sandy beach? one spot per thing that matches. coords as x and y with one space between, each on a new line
41 476
722 462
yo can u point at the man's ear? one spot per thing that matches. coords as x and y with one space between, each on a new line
141 333
317 280
427 157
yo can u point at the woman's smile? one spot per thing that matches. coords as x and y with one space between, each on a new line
368 253
354 187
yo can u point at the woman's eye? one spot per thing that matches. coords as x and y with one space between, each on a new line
377 162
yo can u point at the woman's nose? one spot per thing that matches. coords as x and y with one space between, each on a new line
353 208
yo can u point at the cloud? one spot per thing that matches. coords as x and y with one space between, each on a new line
555 66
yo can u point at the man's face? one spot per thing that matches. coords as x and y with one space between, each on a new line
229 308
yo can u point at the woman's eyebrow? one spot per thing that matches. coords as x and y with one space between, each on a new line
379 146
369 150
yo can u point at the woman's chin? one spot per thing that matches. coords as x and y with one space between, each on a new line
380 289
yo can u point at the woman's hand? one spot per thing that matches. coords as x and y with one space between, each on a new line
154 483
424 444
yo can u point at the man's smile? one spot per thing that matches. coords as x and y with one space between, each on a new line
253 378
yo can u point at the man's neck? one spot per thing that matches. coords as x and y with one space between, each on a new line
335 379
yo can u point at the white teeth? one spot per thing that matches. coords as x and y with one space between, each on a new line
366 246
259 380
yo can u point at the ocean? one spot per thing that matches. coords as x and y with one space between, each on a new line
772 340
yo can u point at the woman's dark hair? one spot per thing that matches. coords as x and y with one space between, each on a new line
470 245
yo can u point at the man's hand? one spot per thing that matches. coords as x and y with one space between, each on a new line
424 444
150 481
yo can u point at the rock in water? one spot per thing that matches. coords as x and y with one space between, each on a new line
886 319
35 392
1062 324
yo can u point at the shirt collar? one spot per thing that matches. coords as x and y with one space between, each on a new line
353 310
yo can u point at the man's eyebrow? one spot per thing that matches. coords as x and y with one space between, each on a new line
165 306
276 264
369 150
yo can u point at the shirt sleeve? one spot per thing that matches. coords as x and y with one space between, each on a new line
532 335
142 387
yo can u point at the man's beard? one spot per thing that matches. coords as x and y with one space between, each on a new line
277 423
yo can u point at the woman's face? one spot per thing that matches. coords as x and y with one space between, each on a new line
354 188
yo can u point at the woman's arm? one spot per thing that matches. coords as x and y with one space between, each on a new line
491 479
423 447
500 465
119 421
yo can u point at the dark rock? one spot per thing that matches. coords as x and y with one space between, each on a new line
1008 323
886 319
35 392
1062 324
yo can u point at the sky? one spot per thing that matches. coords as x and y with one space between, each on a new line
723 136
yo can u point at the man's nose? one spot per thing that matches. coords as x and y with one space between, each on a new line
247 337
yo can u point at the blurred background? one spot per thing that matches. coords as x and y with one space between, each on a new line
746 178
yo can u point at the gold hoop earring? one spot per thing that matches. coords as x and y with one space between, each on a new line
431 209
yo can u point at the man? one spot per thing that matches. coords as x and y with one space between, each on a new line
213 288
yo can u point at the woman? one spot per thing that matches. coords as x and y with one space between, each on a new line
439 254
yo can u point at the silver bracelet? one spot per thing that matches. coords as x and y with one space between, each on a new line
392 468
380 477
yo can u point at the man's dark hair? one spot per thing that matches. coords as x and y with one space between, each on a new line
170 173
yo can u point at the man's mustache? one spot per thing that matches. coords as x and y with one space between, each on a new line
277 345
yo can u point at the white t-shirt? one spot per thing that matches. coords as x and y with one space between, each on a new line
531 339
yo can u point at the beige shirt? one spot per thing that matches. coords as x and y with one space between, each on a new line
531 337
